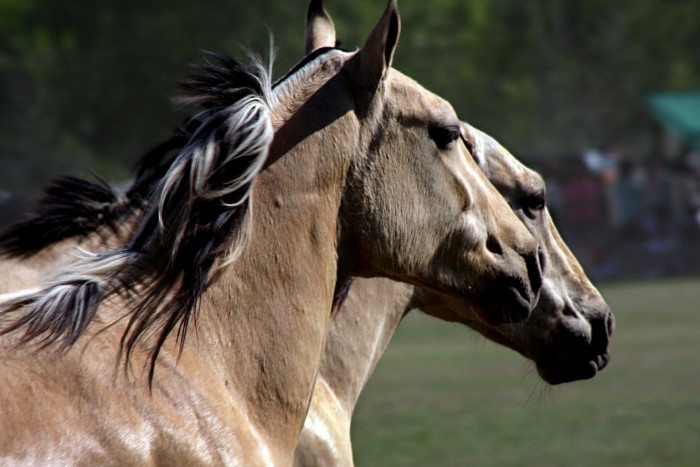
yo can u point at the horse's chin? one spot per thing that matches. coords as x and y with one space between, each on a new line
558 374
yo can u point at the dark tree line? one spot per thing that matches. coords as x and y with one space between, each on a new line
88 85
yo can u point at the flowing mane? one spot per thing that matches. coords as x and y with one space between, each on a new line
198 211
71 207
74 207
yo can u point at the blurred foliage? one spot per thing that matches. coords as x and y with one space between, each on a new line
88 85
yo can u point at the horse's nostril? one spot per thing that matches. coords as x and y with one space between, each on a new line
534 271
493 245
610 324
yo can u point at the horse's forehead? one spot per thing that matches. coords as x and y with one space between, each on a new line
505 169
413 99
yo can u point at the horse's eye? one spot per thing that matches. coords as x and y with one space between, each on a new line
444 135
534 203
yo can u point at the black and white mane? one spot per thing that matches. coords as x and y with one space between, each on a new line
70 207
196 214
73 208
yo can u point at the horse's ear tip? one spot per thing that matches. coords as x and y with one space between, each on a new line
316 9
393 15
315 6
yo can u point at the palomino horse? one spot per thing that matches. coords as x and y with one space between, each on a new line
566 336
347 168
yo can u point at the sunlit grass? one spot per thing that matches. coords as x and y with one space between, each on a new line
444 396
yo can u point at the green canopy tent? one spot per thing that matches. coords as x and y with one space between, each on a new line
679 114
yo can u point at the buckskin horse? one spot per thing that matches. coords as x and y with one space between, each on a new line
347 168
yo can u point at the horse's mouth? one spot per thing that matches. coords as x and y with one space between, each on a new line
523 293
511 305
562 372
517 300
511 301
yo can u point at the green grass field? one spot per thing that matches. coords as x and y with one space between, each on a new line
442 395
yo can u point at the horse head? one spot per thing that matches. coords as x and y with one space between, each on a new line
416 208
568 332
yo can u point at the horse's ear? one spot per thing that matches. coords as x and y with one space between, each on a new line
378 52
320 30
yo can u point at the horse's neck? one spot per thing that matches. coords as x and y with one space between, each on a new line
264 320
360 333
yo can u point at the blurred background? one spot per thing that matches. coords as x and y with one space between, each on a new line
603 98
